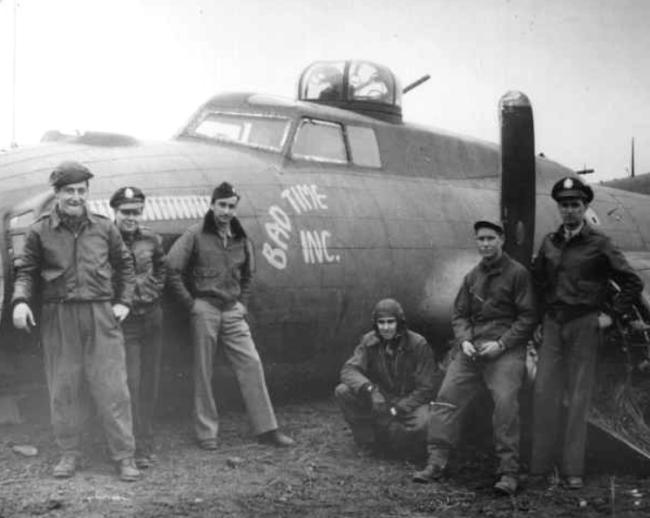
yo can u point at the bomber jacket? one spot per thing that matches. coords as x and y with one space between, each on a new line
575 273
405 378
200 266
495 302
150 268
89 264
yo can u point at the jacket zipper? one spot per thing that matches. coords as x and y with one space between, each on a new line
76 269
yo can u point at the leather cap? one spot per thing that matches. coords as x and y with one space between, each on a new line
388 308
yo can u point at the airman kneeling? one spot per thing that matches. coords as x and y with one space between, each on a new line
387 384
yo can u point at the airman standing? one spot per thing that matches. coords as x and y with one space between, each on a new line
210 273
571 272
142 328
86 280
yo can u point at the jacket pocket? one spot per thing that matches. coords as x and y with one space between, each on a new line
54 285
100 282
590 290
206 279
147 289
103 273
143 260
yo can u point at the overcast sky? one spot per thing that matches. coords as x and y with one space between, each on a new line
142 66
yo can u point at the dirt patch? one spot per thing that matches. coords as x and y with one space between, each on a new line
323 476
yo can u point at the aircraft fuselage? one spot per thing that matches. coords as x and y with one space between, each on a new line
342 209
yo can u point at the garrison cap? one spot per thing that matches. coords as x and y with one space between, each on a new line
224 190
569 187
491 224
126 195
69 172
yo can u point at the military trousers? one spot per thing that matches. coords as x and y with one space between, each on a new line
84 351
143 345
567 367
403 433
465 377
228 327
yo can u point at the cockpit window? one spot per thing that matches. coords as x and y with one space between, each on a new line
320 141
370 82
363 146
258 131
324 141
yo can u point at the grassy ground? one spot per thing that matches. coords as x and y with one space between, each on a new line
323 476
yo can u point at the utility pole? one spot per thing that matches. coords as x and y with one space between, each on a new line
632 159
14 144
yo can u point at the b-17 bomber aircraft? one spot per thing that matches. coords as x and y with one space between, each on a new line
344 201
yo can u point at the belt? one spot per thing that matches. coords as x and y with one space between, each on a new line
564 314
218 303
143 309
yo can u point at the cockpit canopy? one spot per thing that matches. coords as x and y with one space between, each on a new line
360 86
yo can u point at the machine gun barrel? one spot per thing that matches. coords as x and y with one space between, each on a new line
416 83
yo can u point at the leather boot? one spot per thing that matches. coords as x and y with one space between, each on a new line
66 466
128 470
276 438
507 484
144 456
574 483
435 468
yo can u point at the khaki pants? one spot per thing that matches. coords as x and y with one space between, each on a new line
83 347
211 325
404 434
465 377
567 365
143 343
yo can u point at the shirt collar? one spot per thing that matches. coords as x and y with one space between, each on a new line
494 266
57 218
128 237
398 339
570 234
224 231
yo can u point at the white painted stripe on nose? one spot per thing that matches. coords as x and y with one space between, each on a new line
162 208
